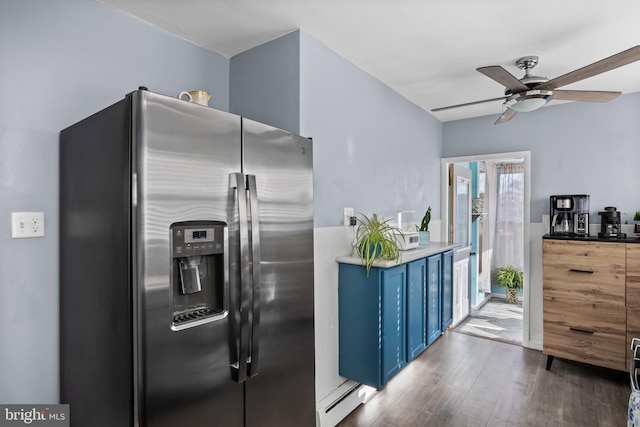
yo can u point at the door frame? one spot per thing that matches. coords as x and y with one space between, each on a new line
461 252
444 212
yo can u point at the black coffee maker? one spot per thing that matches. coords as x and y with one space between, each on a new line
569 215
610 226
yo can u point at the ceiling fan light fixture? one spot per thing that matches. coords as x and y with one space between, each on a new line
531 100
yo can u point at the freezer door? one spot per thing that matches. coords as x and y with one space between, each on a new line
281 390
183 157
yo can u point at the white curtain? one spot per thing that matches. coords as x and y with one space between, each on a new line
509 220
488 225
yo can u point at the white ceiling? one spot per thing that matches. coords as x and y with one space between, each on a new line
427 50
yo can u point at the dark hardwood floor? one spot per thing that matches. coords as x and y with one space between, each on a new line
462 380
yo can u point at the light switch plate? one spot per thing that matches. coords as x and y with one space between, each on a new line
27 224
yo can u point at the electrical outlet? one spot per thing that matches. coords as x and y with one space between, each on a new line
346 218
27 224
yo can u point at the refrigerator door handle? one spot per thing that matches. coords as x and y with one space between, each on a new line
254 351
239 304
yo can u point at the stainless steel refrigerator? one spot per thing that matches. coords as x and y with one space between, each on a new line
186 268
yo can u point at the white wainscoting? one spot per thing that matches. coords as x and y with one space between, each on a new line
330 242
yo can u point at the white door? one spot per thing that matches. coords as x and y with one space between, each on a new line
460 233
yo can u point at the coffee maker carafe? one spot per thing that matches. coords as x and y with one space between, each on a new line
561 223
569 215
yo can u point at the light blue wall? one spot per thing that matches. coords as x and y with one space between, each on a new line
373 150
60 62
265 83
576 148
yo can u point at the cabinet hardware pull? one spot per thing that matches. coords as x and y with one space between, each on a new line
581 330
575 270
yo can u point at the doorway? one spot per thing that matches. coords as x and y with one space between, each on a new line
478 284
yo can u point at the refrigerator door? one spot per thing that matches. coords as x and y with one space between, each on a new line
183 157
281 390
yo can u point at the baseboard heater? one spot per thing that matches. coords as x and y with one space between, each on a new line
341 402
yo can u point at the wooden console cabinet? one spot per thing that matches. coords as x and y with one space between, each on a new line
591 301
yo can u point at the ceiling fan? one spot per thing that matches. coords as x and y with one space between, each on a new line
532 92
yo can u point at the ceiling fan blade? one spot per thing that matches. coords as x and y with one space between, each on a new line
502 98
503 77
584 95
506 116
618 60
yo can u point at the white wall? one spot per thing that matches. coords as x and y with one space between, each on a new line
534 296
62 61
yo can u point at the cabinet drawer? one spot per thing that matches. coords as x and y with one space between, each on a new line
633 275
584 271
588 317
597 348
585 332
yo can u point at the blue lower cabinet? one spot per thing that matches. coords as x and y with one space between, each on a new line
371 323
388 318
447 290
416 308
434 322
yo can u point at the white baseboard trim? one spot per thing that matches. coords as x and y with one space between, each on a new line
341 402
485 300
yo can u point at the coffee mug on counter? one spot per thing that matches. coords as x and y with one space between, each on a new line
196 96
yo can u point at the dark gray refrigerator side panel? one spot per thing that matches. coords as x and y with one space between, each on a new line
96 371
283 391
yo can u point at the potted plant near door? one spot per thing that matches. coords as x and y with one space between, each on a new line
513 279
423 228
375 239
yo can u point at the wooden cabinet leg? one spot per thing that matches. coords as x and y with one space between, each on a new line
549 362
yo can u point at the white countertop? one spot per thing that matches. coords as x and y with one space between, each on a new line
405 256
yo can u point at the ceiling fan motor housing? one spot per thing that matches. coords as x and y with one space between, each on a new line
525 101
526 63
528 101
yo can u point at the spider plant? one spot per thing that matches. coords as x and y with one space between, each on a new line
375 239
510 276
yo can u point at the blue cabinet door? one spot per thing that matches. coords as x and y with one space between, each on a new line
393 314
447 290
372 329
416 308
359 303
434 271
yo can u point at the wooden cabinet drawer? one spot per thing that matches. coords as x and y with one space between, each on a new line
633 275
585 332
598 348
584 271
606 318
